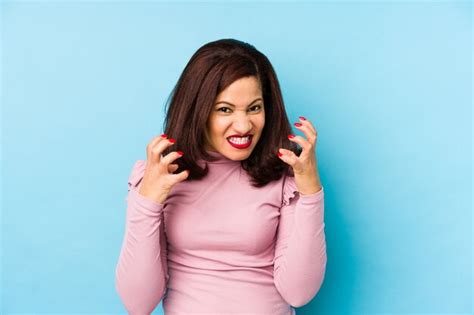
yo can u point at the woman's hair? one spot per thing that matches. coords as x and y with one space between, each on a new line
210 70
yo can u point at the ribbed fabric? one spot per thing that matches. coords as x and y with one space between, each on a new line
221 246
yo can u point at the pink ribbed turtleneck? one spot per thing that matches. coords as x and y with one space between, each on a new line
222 246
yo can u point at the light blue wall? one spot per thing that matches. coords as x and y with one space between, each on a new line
388 86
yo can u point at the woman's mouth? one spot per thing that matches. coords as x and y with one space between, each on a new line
240 142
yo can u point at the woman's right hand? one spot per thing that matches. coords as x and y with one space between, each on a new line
159 178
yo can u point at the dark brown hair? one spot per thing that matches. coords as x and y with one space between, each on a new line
210 70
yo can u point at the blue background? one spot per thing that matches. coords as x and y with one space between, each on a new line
388 86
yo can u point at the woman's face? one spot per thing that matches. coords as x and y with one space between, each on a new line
238 111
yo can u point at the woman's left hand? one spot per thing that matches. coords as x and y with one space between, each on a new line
304 166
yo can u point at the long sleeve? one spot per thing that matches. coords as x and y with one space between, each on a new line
141 273
300 250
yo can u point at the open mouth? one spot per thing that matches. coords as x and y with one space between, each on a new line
240 142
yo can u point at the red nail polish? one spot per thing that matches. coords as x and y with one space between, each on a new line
172 140
301 117
291 136
164 135
298 124
180 152
279 154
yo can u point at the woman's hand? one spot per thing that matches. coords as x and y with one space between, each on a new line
159 178
304 166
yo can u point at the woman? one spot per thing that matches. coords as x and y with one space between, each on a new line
235 224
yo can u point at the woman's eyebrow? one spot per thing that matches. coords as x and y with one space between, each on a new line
234 105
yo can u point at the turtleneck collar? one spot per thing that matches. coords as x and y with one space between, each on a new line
221 159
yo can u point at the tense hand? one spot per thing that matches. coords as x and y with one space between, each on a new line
305 166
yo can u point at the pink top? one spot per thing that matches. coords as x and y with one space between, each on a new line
222 246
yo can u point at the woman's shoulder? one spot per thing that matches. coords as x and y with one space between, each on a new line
290 189
136 174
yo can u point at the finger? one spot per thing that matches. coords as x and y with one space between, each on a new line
171 157
308 123
307 131
153 142
172 168
160 146
288 156
156 139
305 144
181 175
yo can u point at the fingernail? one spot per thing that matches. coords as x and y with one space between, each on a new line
279 154
302 118
172 140
298 124
291 136
180 152
164 135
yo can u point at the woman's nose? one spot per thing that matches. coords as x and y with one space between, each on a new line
243 125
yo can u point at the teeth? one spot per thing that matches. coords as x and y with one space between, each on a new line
239 140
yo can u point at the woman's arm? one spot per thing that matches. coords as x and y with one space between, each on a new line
141 273
300 251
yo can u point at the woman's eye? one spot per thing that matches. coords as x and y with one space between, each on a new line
222 109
